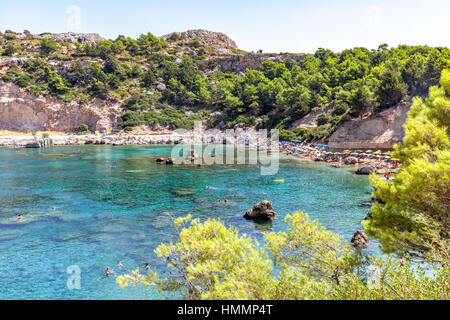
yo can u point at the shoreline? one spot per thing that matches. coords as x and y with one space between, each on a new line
29 141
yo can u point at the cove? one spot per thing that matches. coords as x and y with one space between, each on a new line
89 206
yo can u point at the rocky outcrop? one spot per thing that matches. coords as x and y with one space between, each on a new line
360 240
72 37
216 40
20 110
380 131
350 160
261 211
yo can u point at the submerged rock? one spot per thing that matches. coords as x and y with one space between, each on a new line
160 160
261 211
169 161
366 204
183 192
360 240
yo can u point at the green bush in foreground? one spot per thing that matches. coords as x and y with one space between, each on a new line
211 261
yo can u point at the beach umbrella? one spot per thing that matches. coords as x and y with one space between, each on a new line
369 151
348 150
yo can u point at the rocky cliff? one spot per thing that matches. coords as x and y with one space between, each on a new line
72 37
220 42
20 110
379 131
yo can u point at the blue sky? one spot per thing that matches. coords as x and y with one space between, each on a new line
273 26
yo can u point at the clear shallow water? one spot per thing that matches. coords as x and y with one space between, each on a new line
91 205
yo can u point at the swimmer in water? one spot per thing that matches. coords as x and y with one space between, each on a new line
19 217
107 272
226 200
218 201
119 263
147 267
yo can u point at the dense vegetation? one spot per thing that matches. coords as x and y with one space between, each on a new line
411 219
175 83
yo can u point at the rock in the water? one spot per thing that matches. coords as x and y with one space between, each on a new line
360 240
365 170
160 160
169 161
261 211
33 145
183 192
366 204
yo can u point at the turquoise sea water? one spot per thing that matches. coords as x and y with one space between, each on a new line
91 205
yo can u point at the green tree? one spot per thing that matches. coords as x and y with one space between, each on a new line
392 87
48 46
412 216
82 128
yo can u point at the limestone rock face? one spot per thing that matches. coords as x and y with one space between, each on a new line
207 38
360 240
72 37
261 211
20 110
379 131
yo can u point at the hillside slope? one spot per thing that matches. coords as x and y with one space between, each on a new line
58 81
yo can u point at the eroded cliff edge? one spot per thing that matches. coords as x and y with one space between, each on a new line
20 110
379 131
